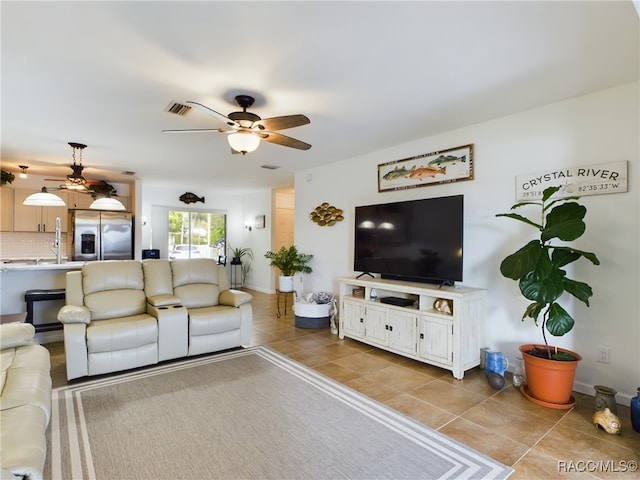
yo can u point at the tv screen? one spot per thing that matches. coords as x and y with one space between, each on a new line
417 240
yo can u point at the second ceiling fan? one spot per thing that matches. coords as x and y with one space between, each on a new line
246 129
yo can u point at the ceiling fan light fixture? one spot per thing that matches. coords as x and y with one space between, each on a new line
107 203
243 142
76 181
44 199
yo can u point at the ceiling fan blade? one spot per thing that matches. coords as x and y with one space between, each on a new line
196 130
213 113
281 123
283 140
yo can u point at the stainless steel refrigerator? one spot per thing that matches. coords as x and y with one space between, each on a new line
100 235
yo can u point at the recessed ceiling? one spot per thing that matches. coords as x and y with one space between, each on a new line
369 75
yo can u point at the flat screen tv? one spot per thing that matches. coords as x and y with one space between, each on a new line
416 240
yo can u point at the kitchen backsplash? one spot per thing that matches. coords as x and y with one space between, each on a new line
14 245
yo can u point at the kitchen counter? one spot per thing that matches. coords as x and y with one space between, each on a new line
40 265
19 276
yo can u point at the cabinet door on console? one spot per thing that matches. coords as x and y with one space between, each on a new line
351 319
402 331
436 339
376 324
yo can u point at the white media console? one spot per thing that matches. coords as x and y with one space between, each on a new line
418 331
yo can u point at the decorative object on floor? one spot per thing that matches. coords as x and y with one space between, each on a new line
495 362
443 305
326 215
605 397
591 180
635 412
519 377
607 421
237 254
550 370
246 129
496 381
306 426
289 261
189 198
444 166
314 310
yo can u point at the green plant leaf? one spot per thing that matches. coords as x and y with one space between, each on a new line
559 321
548 192
543 286
580 290
565 222
516 216
533 311
524 260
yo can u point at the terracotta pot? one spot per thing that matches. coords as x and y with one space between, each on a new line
550 381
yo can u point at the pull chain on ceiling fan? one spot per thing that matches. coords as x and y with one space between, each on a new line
246 129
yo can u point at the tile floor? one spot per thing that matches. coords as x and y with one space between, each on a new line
540 443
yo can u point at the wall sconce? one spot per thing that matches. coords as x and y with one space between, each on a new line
23 171
248 227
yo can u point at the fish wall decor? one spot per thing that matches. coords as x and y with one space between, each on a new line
189 197
326 215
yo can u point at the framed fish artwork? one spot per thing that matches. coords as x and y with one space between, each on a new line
443 166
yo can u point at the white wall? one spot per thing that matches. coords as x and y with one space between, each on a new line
593 129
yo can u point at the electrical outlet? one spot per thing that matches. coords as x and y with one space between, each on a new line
603 354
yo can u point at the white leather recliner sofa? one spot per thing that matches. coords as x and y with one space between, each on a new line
25 402
123 314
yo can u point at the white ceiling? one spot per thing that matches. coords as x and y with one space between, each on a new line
369 75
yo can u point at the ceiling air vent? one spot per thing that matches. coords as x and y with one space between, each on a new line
178 108
270 167
127 172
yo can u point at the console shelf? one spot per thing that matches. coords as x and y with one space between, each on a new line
419 330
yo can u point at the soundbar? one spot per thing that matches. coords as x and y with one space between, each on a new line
397 301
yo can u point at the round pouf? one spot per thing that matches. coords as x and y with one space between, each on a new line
311 315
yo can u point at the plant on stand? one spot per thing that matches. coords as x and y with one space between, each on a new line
289 261
236 259
539 269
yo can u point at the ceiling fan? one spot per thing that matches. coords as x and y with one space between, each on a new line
246 129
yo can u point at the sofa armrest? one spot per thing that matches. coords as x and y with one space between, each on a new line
75 349
16 335
74 314
163 300
234 298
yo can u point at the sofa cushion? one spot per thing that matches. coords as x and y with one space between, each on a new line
195 270
198 295
23 454
121 333
112 275
16 334
157 277
26 379
213 320
116 303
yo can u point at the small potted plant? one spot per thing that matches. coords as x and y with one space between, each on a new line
236 259
7 177
289 261
538 267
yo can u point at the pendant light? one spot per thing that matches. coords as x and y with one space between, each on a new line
243 142
107 203
44 199
76 181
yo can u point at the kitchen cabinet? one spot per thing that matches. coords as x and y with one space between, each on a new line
6 209
417 330
28 218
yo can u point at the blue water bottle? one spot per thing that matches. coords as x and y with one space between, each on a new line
635 412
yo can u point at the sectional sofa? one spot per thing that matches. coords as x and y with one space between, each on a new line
25 402
123 314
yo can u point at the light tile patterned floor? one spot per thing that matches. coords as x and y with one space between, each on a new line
540 443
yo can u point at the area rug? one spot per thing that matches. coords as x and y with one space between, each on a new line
246 414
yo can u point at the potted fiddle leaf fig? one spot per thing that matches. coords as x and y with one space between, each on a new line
539 269
289 261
